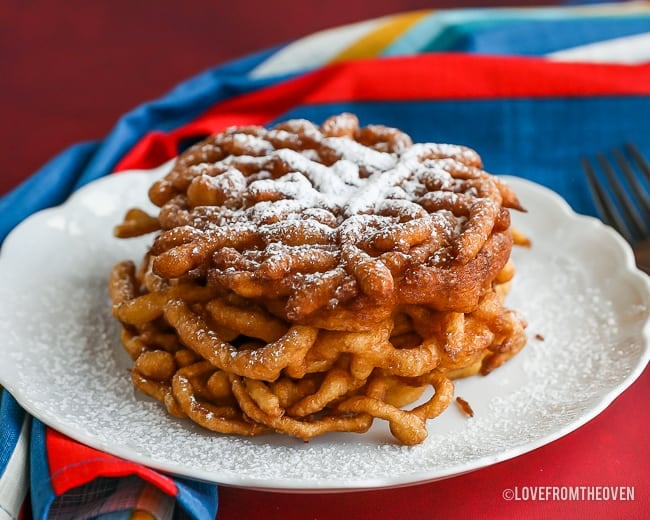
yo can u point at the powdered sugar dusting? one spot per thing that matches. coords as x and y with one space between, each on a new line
291 186
360 180
362 155
320 175
339 187
252 143
63 361
366 192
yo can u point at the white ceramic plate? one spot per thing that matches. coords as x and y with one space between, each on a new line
62 360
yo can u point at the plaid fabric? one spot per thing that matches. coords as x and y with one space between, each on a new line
14 457
518 85
113 498
61 467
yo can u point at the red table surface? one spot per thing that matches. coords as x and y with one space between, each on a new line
69 71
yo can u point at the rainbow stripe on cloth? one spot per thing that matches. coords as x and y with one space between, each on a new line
531 89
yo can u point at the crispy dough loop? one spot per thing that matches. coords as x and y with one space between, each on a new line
383 138
373 277
247 321
289 390
122 285
148 307
136 222
336 384
222 419
265 363
302 429
409 427
455 288
315 290
373 349
281 260
267 401
156 364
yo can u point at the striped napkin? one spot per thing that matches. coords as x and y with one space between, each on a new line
531 89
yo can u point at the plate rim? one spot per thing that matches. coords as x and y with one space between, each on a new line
296 485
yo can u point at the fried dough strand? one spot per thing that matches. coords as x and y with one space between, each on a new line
309 279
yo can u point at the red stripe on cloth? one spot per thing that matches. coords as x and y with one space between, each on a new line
469 76
424 77
73 465
157 147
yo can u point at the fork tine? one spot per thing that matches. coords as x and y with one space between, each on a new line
641 162
604 204
629 207
644 167
633 180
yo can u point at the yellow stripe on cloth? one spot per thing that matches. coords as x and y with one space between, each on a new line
373 43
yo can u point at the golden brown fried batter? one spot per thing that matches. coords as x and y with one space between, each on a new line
306 279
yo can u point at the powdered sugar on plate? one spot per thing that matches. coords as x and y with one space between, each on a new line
586 305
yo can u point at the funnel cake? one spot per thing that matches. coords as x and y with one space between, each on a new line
308 279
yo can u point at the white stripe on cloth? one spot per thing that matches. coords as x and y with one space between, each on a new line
628 50
314 50
14 482
321 47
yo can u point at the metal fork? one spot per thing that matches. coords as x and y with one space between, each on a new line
626 204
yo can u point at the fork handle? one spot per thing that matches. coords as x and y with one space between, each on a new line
642 255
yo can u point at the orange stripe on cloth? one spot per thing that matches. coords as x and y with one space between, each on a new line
373 43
